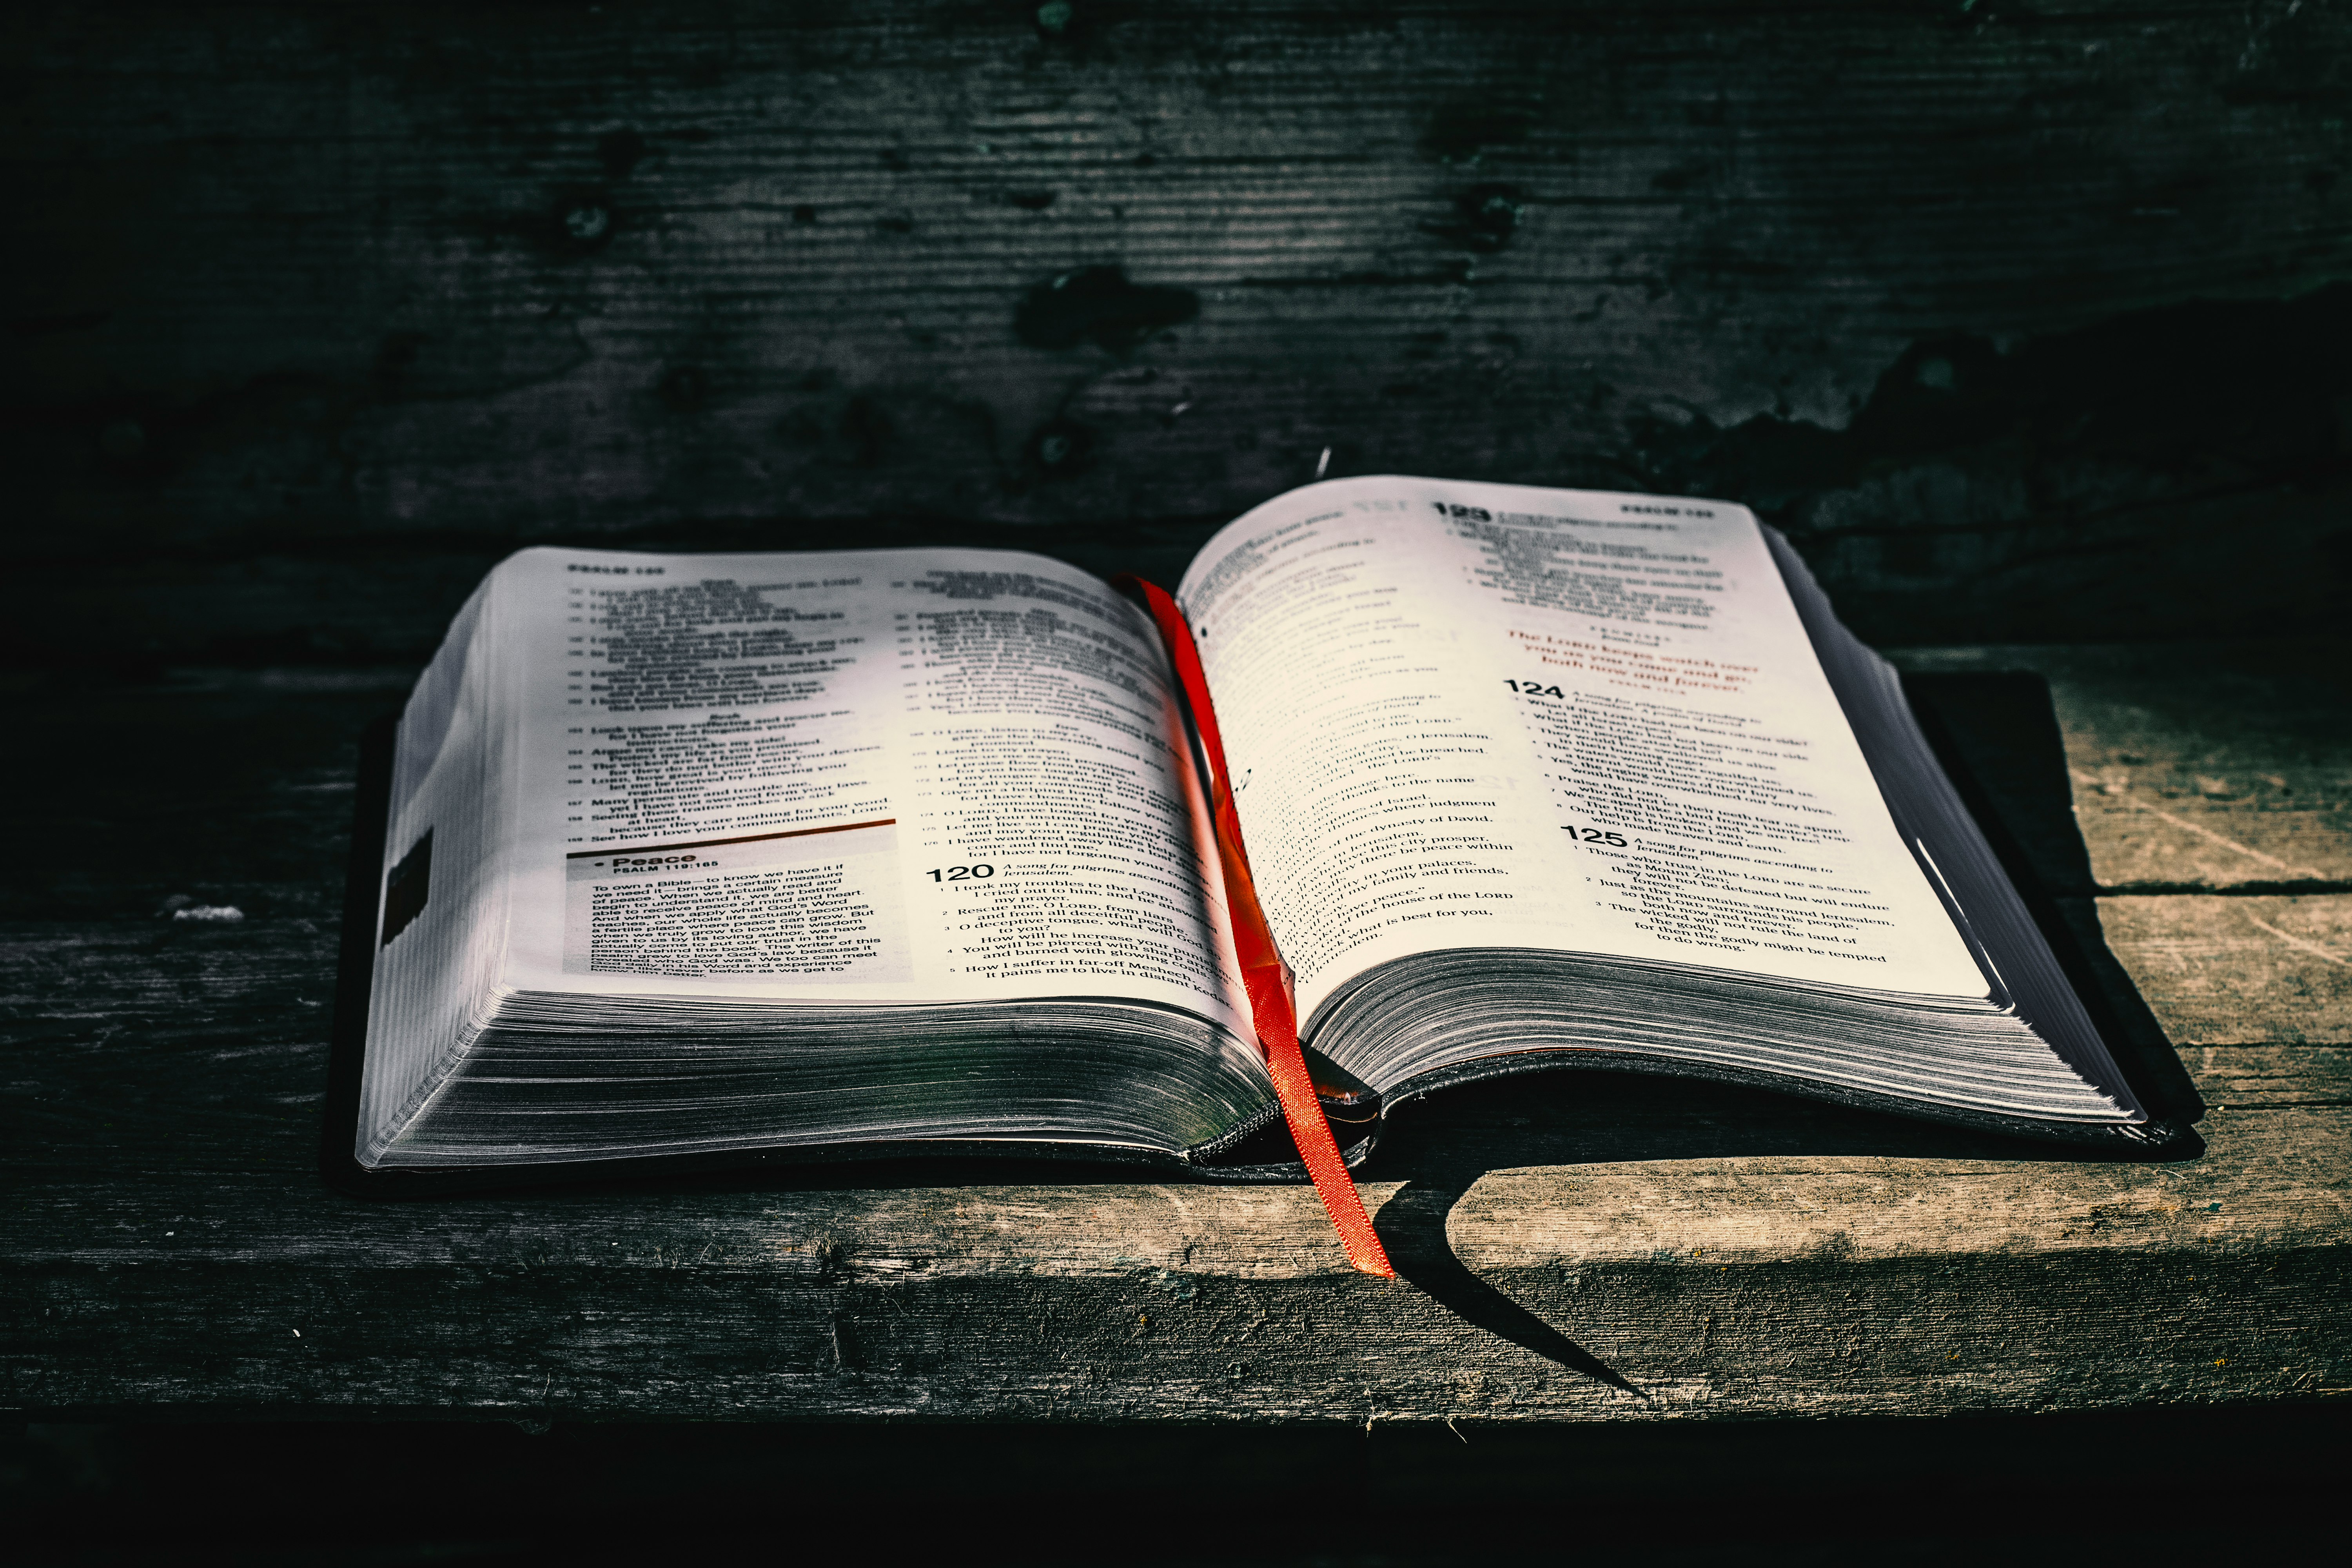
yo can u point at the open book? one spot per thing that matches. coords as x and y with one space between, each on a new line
872 851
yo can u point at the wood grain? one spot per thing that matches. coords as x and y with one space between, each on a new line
2261 1077
1647 1289
2237 971
2029 325
1599 1245
2198 765
2020 322
1576 1246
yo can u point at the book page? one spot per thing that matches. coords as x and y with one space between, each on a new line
1466 715
890 775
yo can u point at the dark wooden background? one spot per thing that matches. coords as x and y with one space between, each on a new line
2028 321
2031 321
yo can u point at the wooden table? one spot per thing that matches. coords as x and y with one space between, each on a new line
1579 1247
2029 324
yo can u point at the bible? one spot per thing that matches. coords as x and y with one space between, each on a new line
726 857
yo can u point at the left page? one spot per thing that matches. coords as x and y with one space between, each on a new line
886 776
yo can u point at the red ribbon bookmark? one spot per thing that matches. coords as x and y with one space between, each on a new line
1273 1006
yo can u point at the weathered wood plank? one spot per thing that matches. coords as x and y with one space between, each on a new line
2197 764
2024 325
2020 325
2261 1077
167 1242
1821 1285
2273 1178
2230 971
1716 1250
1565 1239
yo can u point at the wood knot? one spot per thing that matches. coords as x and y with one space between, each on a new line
1098 304
1060 446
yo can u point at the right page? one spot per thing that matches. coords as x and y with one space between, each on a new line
1471 715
